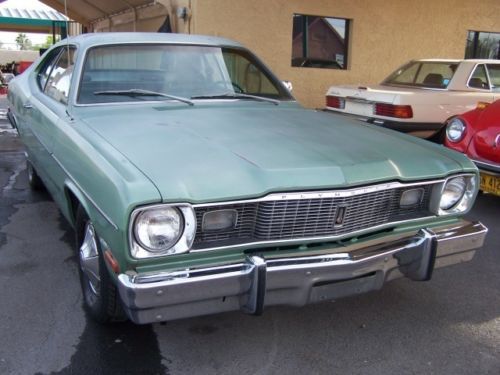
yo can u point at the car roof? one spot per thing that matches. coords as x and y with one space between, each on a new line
95 39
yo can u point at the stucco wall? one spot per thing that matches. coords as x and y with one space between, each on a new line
384 34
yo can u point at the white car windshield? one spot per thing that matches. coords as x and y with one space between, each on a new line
136 72
427 74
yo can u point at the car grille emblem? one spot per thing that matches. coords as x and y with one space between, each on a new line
340 216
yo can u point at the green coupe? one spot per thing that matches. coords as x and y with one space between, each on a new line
196 184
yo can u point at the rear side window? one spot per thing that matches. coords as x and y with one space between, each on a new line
58 83
428 74
479 79
494 73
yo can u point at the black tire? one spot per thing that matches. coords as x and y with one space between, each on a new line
34 181
101 302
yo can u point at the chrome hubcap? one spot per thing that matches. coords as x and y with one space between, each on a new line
89 259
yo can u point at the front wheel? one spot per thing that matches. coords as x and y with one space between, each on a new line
99 293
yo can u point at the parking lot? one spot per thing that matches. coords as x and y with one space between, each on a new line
450 325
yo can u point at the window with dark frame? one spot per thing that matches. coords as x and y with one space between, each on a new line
320 42
482 45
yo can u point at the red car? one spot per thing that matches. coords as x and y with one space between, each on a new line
477 134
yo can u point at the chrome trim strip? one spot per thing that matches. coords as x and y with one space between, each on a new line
324 193
85 193
154 277
488 166
416 87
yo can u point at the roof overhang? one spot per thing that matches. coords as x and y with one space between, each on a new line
29 20
89 11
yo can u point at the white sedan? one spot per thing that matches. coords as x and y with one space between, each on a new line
421 95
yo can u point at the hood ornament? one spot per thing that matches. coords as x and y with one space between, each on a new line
497 141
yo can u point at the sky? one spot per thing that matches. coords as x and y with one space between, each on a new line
8 39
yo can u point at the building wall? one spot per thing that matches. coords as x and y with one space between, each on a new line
384 33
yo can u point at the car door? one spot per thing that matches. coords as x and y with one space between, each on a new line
37 144
48 108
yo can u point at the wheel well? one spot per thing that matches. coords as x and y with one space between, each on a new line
73 204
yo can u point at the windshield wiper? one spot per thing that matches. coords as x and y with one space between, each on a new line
141 92
230 95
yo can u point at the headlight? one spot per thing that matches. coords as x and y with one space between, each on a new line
455 130
162 230
158 229
458 194
453 191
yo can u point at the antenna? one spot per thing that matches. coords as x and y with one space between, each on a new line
67 47
67 27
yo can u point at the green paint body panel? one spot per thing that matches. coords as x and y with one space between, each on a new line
119 157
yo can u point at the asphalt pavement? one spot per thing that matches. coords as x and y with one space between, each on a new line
450 325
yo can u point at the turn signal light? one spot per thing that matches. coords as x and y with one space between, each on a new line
335 102
112 262
391 110
482 105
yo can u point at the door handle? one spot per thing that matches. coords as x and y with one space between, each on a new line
27 106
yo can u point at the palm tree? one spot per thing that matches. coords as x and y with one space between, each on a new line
23 42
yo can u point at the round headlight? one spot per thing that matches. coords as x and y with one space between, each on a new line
158 229
452 193
455 130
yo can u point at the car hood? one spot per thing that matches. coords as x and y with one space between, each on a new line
238 150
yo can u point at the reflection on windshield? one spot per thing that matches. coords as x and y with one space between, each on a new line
432 74
176 70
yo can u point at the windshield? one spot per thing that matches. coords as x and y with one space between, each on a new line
428 74
184 71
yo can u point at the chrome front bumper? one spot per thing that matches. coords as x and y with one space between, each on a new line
261 281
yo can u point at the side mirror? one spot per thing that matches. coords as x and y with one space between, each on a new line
288 85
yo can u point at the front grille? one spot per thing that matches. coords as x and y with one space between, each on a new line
274 220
